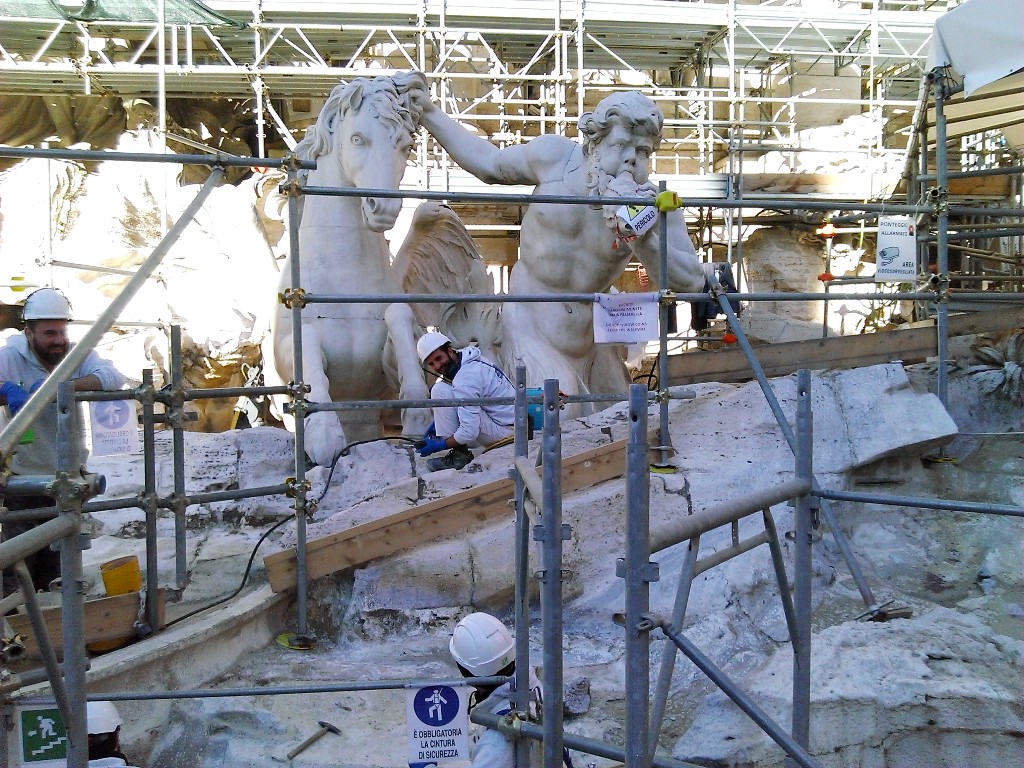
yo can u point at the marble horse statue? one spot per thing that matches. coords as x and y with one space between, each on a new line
362 138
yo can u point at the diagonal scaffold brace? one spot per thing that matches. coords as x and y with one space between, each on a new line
874 611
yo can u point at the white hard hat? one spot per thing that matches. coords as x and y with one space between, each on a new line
482 644
46 304
101 717
429 342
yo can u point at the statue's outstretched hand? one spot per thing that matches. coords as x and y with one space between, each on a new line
413 85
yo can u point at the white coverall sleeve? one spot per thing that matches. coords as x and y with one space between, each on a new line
493 750
104 370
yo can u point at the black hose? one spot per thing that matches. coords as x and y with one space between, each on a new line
248 566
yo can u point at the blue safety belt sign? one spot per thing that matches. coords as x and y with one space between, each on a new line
42 740
113 427
437 720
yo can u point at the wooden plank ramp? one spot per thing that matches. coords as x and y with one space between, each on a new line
448 516
911 345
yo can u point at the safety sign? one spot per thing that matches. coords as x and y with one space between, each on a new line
896 257
42 740
437 719
115 429
637 219
625 318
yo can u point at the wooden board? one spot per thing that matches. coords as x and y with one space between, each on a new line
107 618
433 520
912 345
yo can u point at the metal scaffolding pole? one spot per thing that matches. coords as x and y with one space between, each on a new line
553 533
72 587
941 199
149 501
520 696
802 568
176 418
638 572
787 431
300 485
48 389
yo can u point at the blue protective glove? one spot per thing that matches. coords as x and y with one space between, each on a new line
16 396
432 445
431 432
36 385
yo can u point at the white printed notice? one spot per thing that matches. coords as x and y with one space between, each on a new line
896 257
625 318
114 426
437 719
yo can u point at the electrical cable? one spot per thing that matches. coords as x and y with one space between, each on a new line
248 566
651 375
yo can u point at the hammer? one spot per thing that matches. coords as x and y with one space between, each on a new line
325 728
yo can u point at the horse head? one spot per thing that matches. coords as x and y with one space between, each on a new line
366 128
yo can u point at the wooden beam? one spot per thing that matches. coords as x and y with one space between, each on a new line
426 522
911 345
107 620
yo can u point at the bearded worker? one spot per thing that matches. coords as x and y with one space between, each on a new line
574 248
25 361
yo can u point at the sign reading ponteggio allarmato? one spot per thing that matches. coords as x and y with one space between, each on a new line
896 257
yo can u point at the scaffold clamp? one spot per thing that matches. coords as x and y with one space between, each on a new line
294 486
293 297
667 201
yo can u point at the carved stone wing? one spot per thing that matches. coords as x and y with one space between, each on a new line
440 257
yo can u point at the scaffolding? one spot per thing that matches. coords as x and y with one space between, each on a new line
536 495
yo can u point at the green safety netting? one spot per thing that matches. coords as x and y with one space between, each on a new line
175 11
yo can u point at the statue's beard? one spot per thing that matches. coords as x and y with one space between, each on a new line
602 184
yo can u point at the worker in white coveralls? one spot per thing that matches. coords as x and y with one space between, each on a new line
463 374
103 722
25 362
482 646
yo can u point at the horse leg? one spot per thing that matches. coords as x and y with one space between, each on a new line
411 384
325 438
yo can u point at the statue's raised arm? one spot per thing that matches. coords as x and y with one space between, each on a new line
529 163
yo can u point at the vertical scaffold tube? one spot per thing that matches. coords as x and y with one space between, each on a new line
638 572
301 575
942 229
802 567
664 440
149 498
551 586
72 594
521 696
177 414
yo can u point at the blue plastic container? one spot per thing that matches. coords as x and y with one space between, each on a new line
535 410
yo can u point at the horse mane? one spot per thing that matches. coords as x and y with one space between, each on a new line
389 100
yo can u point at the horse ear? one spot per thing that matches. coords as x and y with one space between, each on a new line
352 97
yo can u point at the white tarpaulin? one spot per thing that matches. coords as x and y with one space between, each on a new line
983 42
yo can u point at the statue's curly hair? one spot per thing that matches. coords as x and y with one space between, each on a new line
388 96
631 108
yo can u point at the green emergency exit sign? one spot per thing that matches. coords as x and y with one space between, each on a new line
42 736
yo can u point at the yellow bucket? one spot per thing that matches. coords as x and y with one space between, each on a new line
121 576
